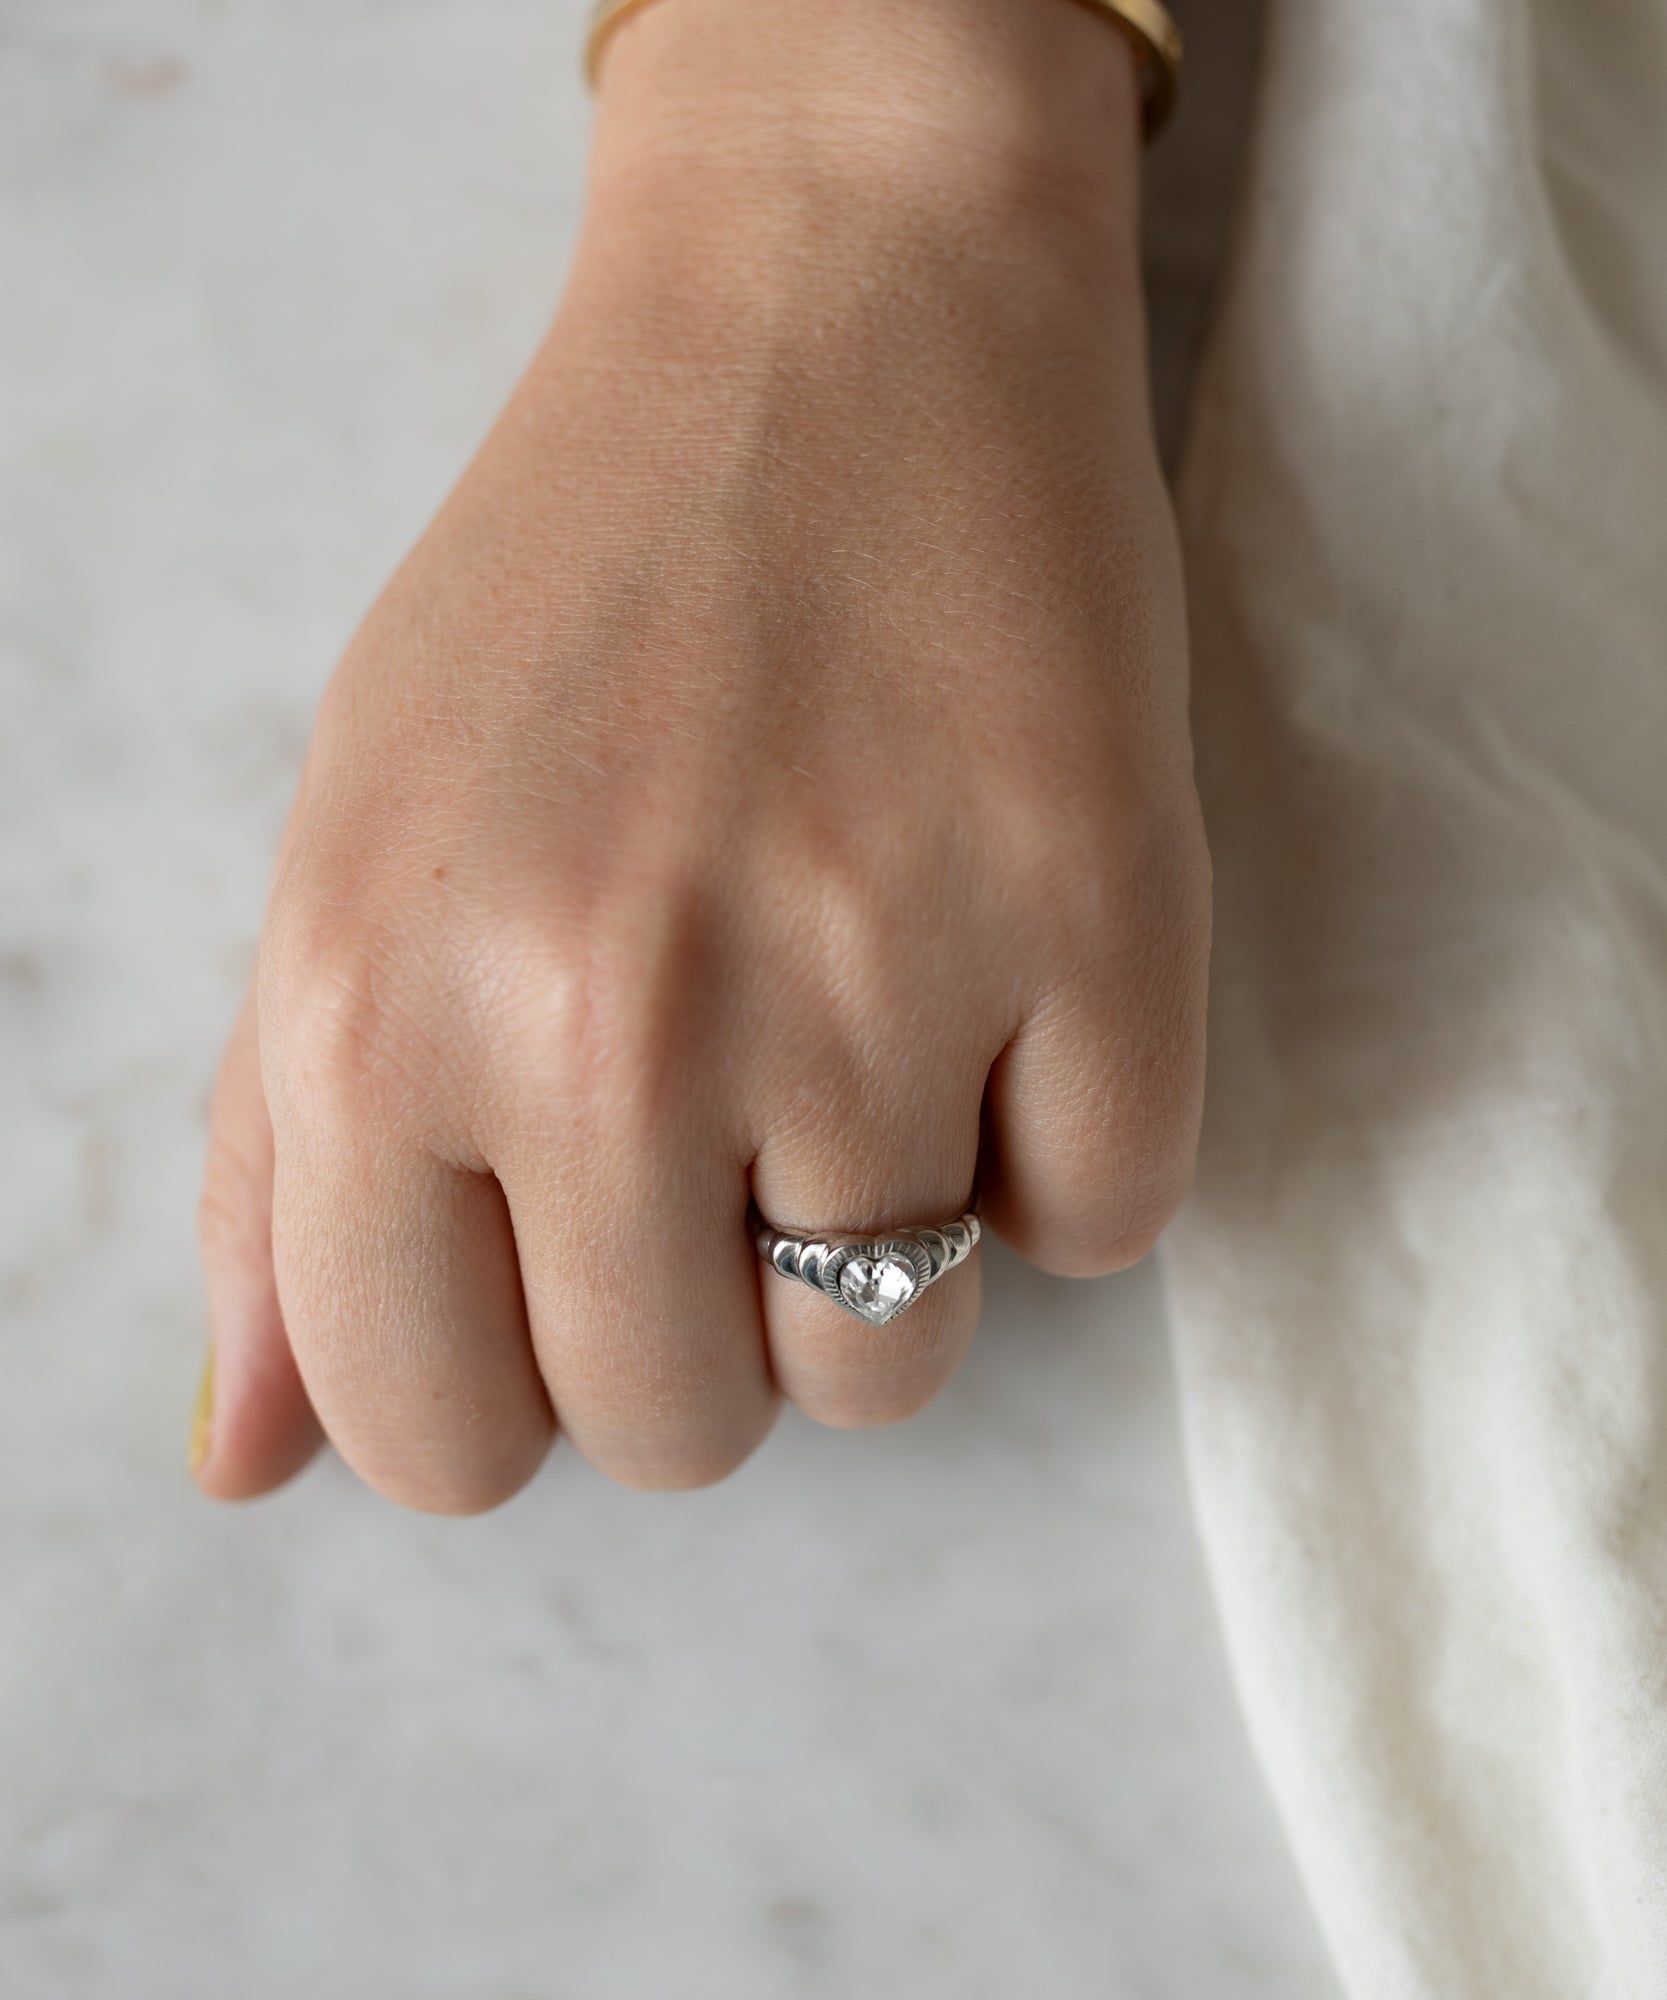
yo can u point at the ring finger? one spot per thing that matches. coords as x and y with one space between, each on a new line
884 1149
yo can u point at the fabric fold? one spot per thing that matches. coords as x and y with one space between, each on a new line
1421 1290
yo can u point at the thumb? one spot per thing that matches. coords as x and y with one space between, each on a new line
254 1427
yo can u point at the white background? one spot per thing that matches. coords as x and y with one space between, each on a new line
937 1712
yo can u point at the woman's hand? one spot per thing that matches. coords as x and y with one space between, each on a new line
769 775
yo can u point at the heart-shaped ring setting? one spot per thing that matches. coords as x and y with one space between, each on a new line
874 1279
877 1288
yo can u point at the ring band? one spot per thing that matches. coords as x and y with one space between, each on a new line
874 1278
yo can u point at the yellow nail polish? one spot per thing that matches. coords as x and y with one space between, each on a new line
202 1417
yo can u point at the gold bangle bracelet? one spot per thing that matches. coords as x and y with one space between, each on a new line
1148 24
1158 50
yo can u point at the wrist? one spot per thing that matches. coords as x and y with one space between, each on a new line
766 166
1024 113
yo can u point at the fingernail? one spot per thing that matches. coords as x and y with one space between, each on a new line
202 1417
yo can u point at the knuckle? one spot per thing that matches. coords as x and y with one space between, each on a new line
871 1402
1112 1234
1141 894
1130 1096
672 1465
458 1490
1137 1227
891 1382
866 941
866 895
665 1417
597 1006
338 1036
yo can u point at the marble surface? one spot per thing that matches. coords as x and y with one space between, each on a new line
937 1712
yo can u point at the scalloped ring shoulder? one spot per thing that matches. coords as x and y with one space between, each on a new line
874 1278
1148 24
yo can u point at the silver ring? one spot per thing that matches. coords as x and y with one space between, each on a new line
873 1277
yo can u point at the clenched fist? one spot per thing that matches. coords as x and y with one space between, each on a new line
767 781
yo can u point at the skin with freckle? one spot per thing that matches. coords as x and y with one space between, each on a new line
769 776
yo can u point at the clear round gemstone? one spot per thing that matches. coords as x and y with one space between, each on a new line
877 1287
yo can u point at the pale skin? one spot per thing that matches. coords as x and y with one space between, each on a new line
769 778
